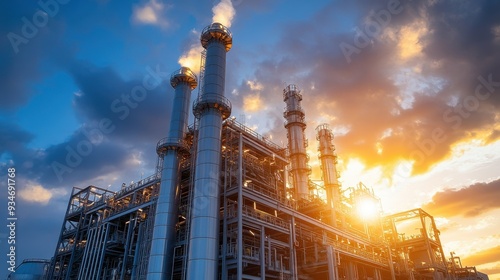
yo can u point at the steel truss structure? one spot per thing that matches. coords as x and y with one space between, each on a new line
227 203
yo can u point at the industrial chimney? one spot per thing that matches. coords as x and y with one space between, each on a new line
329 169
210 109
297 142
171 149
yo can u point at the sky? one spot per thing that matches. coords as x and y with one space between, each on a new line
411 90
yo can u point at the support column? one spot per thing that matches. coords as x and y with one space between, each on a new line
262 254
240 209
333 273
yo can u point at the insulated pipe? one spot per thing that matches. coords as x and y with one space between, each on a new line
328 168
211 108
297 142
171 149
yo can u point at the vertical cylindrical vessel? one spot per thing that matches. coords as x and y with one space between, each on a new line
329 168
297 142
211 108
171 149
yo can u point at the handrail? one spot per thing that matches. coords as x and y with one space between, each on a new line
212 100
343 246
175 141
183 71
217 27
137 184
235 124
291 90
268 218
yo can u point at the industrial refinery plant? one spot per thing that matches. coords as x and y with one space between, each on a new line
227 203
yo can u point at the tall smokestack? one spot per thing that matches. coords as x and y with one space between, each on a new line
329 169
171 149
297 143
211 108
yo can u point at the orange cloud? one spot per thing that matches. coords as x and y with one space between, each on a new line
36 193
409 44
483 257
428 112
252 103
468 202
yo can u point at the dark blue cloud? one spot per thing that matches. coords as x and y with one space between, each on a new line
119 118
138 108
13 139
29 38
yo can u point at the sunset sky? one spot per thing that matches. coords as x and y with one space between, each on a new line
411 90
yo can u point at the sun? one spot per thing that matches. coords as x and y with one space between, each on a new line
367 209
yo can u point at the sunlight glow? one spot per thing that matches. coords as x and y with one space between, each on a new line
367 209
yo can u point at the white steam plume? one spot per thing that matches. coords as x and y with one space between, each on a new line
224 13
191 58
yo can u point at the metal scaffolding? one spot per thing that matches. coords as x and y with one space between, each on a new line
106 235
264 233
227 203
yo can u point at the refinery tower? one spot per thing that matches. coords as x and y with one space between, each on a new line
227 203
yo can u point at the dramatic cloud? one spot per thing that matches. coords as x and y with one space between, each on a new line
122 120
13 138
468 202
138 108
409 44
23 50
408 93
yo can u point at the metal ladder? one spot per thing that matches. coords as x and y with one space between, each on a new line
201 86
145 246
190 196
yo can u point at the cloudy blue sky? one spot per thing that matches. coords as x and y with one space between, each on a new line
411 90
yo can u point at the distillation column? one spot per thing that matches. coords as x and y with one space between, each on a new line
171 149
211 108
329 169
297 143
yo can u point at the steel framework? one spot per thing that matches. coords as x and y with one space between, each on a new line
227 203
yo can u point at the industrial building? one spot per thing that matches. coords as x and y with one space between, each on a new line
227 203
